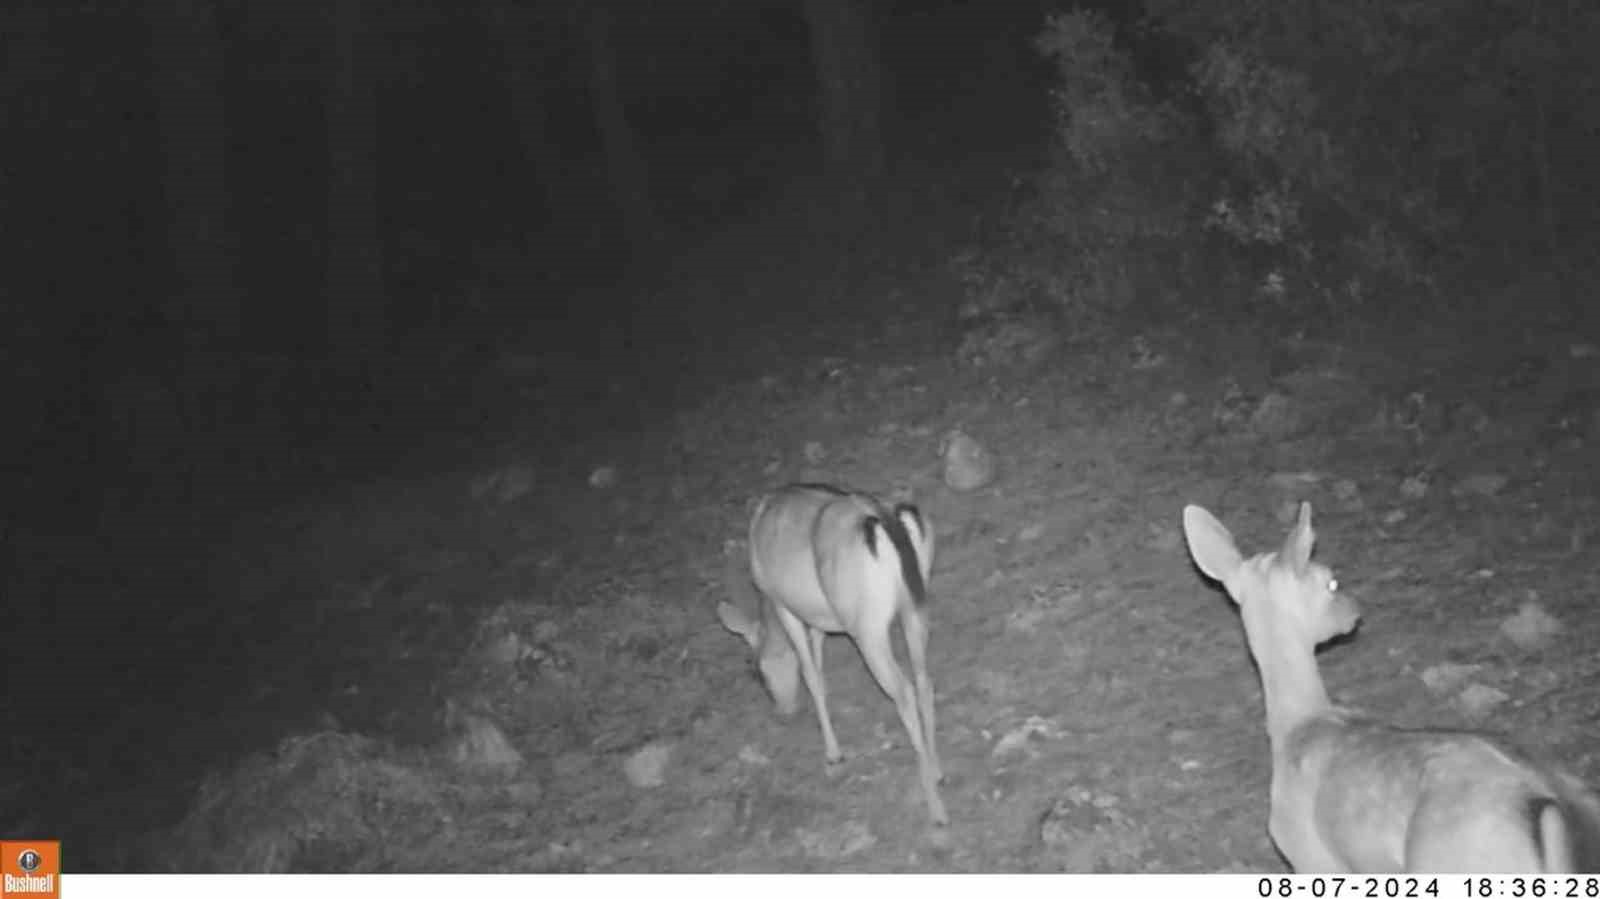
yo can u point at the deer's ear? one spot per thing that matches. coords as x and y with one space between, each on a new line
1296 552
1210 544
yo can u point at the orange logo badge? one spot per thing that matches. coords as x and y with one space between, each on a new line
30 869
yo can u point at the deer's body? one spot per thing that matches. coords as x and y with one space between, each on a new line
1354 795
829 560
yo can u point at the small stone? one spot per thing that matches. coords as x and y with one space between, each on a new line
1478 700
503 486
753 756
481 748
1445 678
1481 484
1017 740
1274 416
967 464
646 767
1531 628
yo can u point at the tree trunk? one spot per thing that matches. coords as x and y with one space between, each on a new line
1543 91
189 64
849 79
356 312
514 28
625 167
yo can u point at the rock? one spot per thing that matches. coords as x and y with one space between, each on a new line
504 485
1531 628
603 477
1480 485
1447 677
835 842
753 756
482 749
1274 416
646 766
1017 739
1478 700
967 464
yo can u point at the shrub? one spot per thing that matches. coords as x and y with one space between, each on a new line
1111 205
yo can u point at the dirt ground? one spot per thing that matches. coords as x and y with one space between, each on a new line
511 662
1097 708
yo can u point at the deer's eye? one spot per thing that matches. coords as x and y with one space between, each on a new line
1333 585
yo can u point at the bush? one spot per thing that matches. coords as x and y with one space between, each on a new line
1246 173
1288 188
1112 205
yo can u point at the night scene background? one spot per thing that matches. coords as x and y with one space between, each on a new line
389 382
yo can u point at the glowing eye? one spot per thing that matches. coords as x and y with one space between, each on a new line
1333 584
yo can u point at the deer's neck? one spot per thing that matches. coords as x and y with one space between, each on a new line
1290 681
